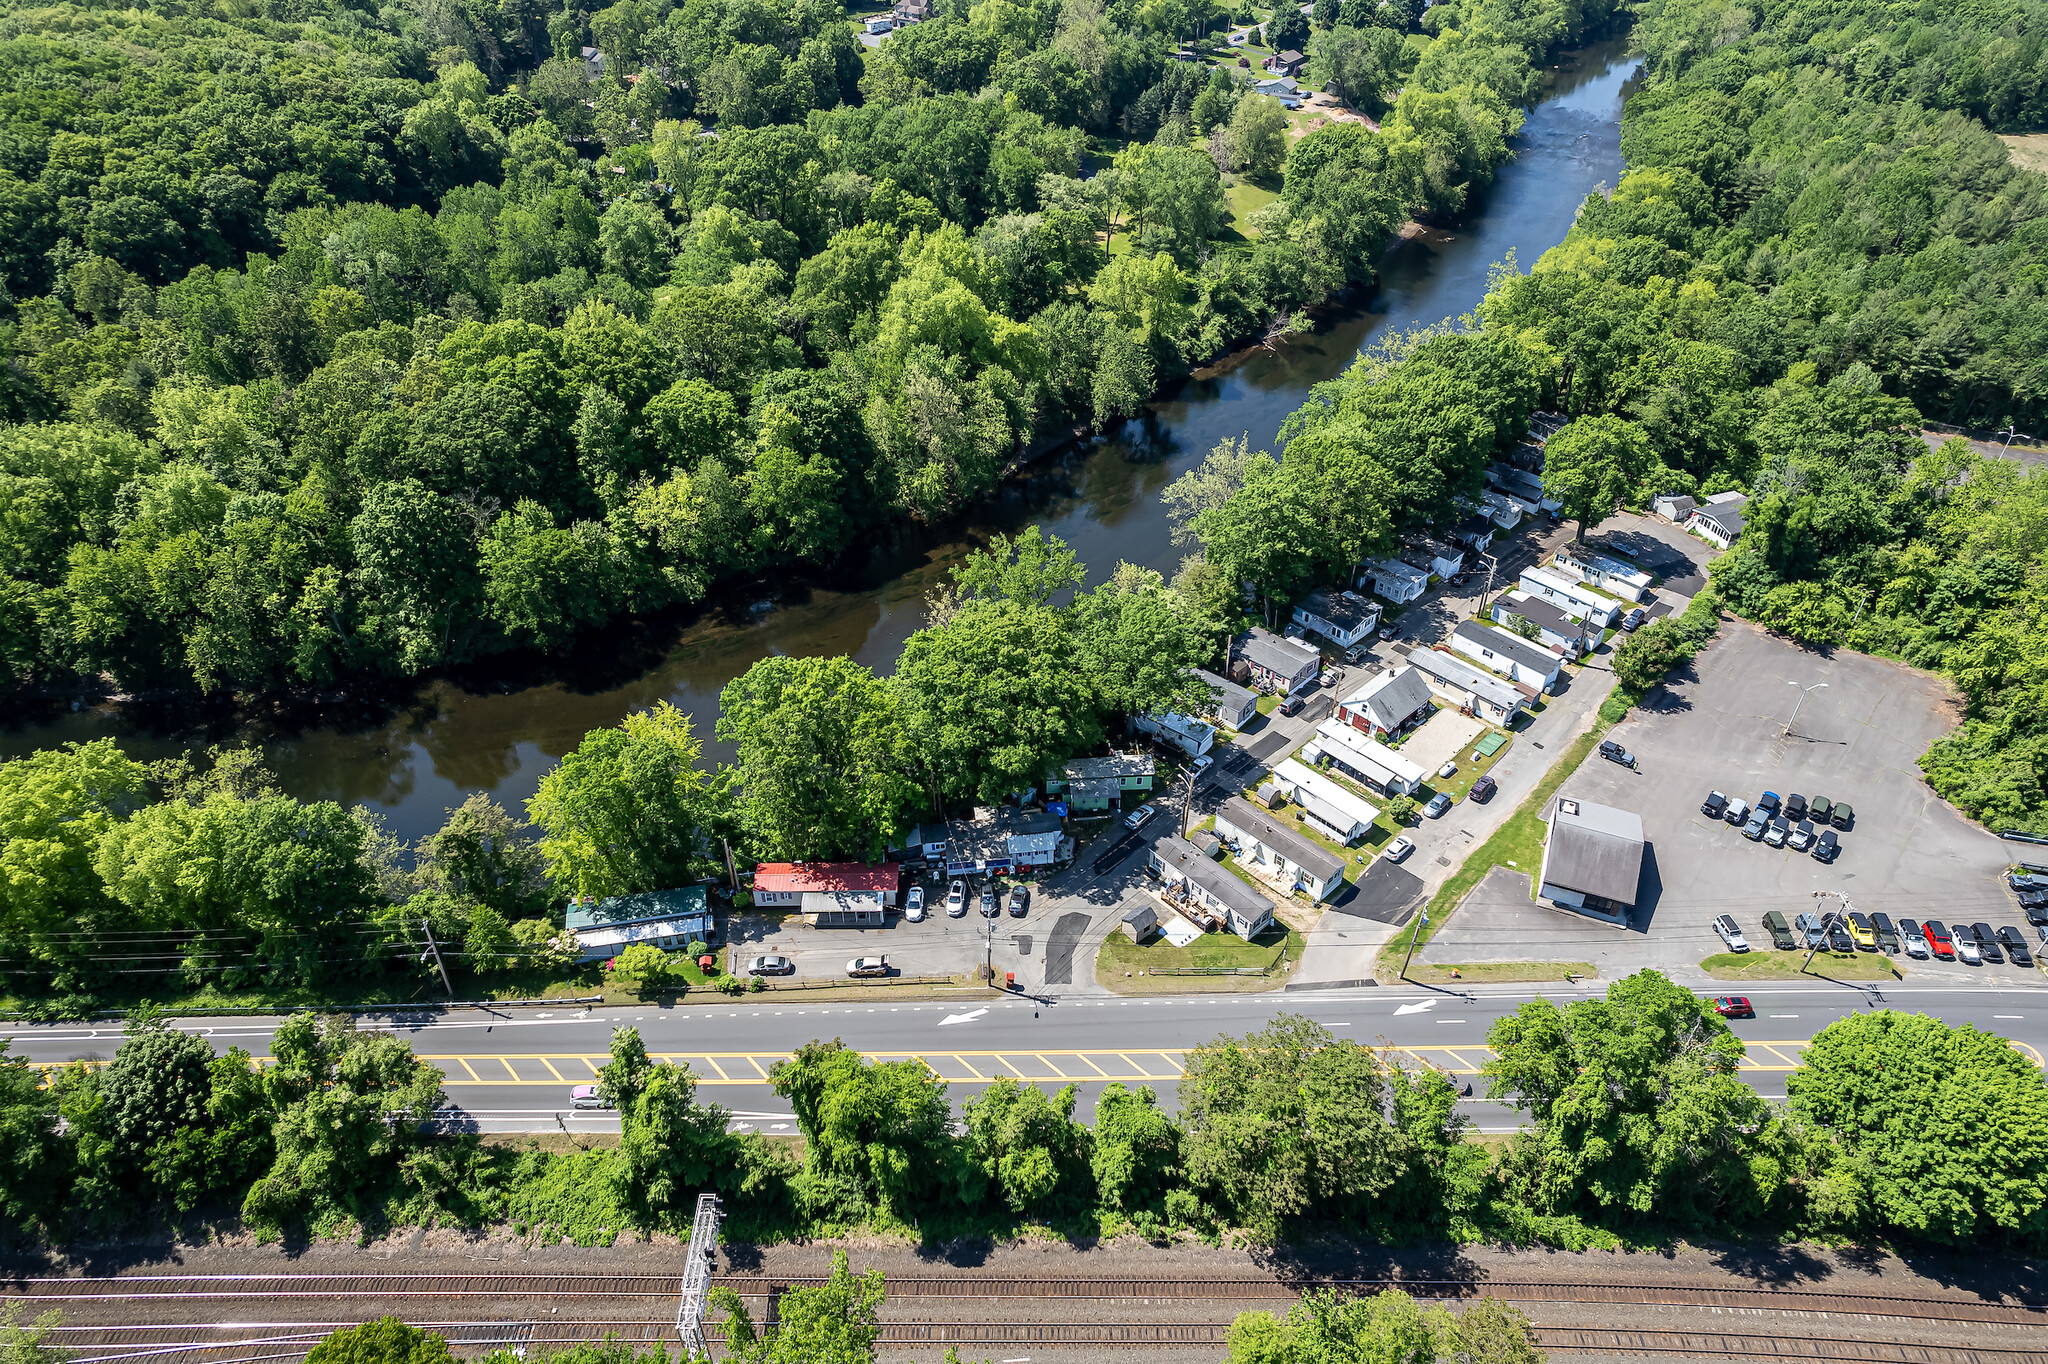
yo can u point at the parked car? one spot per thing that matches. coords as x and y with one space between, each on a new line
1887 936
868 966
771 966
1398 848
1860 931
1913 939
1939 940
2025 880
956 899
1386 633
1811 934
1780 931
1715 805
1737 813
2015 947
1768 801
588 1096
1754 830
913 904
1724 924
1795 806
1966 951
2036 910
988 901
1483 789
1438 804
1734 1006
1838 935
1292 705
1819 808
1801 837
1826 846
1841 816
1776 834
1020 901
1615 753
1987 943
1634 618
1136 818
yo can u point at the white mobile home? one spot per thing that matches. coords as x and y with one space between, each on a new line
1335 812
1609 575
1554 629
1470 687
1399 583
1364 759
1507 512
1572 597
1192 737
1269 847
1344 618
1508 654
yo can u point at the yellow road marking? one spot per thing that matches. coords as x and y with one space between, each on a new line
551 1068
471 1069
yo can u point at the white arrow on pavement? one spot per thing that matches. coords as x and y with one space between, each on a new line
1415 1008
961 1018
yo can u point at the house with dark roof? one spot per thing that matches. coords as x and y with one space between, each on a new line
1508 654
1720 521
1673 507
1592 860
1235 705
1471 688
1475 532
1211 886
1344 618
1099 783
1555 628
1386 703
1276 851
1276 664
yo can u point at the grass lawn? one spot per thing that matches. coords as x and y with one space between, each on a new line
1785 966
1245 199
1497 972
1120 955
1268 703
1517 843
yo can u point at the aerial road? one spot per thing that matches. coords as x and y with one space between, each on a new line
512 1070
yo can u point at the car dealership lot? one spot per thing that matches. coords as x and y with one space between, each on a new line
1720 725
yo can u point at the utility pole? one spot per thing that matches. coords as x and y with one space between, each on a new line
1187 797
731 872
1421 922
434 950
1492 562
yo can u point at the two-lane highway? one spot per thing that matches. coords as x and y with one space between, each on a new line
513 1071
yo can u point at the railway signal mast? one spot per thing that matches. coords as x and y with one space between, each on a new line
697 1274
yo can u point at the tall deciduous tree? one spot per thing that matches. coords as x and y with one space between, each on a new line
1592 464
623 812
823 771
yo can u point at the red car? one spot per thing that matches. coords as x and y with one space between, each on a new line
1733 1006
1938 940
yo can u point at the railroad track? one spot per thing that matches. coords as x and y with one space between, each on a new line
260 1343
140 1289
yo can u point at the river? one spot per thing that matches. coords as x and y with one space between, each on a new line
500 726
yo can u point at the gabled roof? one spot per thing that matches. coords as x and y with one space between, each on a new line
1347 610
826 877
1508 645
1392 697
1118 765
1595 850
1230 698
1457 672
1271 652
1355 750
1310 856
1546 616
1727 516
1187 860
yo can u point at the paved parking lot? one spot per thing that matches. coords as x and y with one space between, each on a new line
1721 726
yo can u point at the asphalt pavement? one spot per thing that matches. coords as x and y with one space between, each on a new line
512 1070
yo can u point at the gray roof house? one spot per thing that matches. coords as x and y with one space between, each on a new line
1592 859
1212 886
1673 507
1278 664
1554 628
1507 653
1235 705
1470 687
1719 522
1343 618
1475 531
1384 704
1276 851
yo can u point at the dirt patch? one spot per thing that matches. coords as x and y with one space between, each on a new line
2029 150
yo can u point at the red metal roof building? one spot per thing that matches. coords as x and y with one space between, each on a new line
785 883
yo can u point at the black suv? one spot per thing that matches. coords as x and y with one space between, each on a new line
1715 805
1795 807
1615 753
1825 847
1987 943
1838 935
2015 947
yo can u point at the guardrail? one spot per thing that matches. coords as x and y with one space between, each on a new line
2021 836
286 1010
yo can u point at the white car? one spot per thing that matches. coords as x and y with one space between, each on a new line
956 900
1915 945
913 905
1724 924
1398 848
1966 951
1136 818
1204 763
868 966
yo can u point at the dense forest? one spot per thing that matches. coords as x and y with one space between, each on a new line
1639 1127
343 342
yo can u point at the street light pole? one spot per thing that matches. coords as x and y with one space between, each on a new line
1803 694
1421 922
